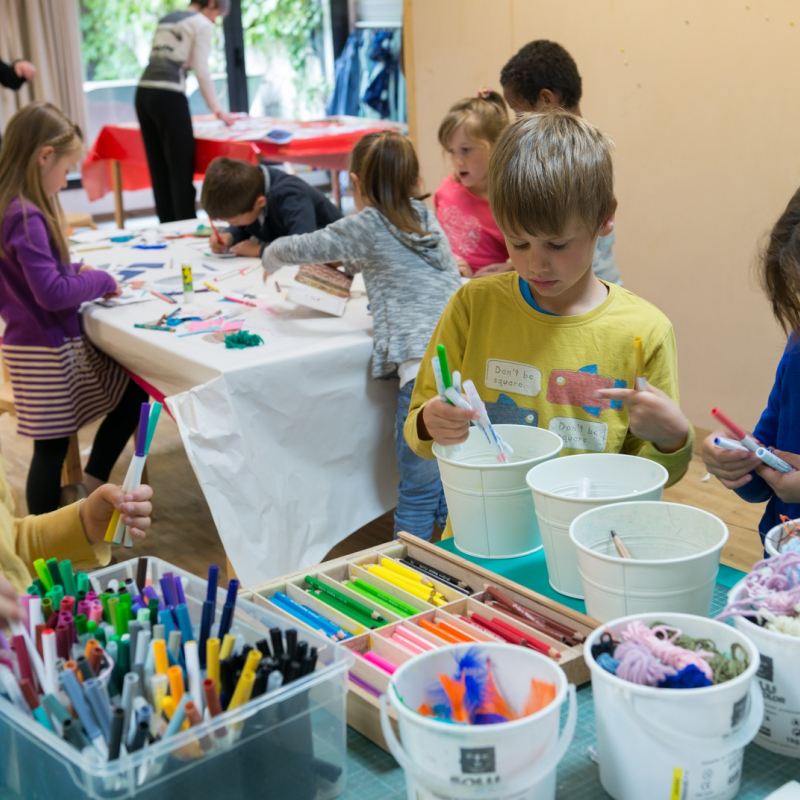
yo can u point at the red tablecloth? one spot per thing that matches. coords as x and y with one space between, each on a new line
325 144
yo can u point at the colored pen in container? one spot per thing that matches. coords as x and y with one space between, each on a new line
152 422
640 381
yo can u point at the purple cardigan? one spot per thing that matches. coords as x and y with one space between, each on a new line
39 295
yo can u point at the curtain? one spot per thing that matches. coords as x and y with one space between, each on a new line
46 33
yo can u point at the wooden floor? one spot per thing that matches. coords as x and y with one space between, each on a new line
184 533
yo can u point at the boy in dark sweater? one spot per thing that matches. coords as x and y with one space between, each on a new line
260 204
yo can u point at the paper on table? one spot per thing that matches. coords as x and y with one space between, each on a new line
209 254
85 237
211 325
128 297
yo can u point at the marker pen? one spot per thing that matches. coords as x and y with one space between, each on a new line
174 645
178 716
771 460
142 647
93 690
117 727
212 661
184 622
205 629
34 614
137 465
228 641
52 565
139 738
26 687
85 714
18 629
159 684
728 444
130 686
640 381
176 686
742 435
193 672
195 717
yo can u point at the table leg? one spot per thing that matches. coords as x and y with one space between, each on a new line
336 189
116 178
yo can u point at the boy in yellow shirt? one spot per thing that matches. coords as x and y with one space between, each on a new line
550 345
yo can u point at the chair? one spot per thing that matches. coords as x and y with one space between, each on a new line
74 219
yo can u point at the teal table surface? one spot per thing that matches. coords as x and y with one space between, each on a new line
372 774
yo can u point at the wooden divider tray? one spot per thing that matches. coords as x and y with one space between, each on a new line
362 705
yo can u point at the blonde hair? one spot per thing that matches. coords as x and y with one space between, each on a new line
34 127
483 118
387 166
548 169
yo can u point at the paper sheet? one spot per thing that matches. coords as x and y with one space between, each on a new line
87 237
128 297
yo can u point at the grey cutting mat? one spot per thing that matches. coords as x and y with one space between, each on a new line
372 774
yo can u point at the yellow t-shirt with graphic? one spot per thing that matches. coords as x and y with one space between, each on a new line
536 369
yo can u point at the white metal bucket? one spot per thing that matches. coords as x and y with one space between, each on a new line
676 551
460 762
490 506
778 678
674 743
772 538
613 478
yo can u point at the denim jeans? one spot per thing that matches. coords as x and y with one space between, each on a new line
421 498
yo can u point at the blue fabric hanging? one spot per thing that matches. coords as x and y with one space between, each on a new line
377 94
347 79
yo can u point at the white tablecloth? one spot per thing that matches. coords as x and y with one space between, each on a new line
292 442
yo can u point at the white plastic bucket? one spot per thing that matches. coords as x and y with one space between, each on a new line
674 743
772 538
460 762
613 478
778 678
676 551
490 507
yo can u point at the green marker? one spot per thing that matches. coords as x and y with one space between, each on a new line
56 594
65 568
83 582
153 327
52 565
44 574
447 380
155 413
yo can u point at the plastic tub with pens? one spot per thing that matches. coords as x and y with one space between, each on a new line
287 743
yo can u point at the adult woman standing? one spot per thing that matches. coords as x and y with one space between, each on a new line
182 42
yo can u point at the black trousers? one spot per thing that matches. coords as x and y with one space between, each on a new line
169 143
43 489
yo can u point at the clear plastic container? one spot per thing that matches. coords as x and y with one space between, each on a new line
288 744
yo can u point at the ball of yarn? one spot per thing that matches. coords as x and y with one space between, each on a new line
241 339
660 641
608 663
688 678
722 666
605 645
637 664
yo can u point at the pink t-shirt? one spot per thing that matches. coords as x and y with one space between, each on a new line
469 225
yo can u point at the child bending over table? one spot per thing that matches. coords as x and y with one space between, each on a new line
261 204
551 345
409 272
60 381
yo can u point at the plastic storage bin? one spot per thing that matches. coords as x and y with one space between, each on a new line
288 744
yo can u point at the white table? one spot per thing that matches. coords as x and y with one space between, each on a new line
292 442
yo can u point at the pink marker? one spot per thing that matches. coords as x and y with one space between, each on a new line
742 435
415 638
379 662
402 641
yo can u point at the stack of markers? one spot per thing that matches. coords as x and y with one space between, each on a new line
408 580
126 670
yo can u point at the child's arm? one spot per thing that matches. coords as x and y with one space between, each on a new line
342 240
52 289
657 428
297 212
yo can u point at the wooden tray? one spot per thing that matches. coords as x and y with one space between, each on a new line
362 707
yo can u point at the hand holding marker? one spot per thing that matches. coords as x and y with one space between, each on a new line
473 402
768 457
147 427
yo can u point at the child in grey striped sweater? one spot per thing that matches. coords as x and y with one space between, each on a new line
410 274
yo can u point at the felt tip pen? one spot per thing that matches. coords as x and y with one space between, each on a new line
178 716
164 298
18 629
210 285
640 381
228 641
153 327
159 685
85 714
728 444
771 460
193 672
117 728
742 435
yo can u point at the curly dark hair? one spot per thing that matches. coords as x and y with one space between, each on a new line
543 65
780 268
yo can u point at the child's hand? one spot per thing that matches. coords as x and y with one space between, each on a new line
116 293
445 424
220 244
9 602
247 249
464 269
732 467
135 509
786 485
654 416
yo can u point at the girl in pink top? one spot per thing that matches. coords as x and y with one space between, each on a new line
468 134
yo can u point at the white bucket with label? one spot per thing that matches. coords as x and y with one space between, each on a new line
675 562
490 506
556 488
778 678
773 537
509 760
674 743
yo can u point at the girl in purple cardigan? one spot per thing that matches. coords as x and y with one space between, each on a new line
60 381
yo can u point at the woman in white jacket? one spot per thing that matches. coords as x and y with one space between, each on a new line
182 42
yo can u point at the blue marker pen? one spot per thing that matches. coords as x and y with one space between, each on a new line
85 714
185 622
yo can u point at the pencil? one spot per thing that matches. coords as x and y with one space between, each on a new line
163 297
344 599
210 286
91 249
620 545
